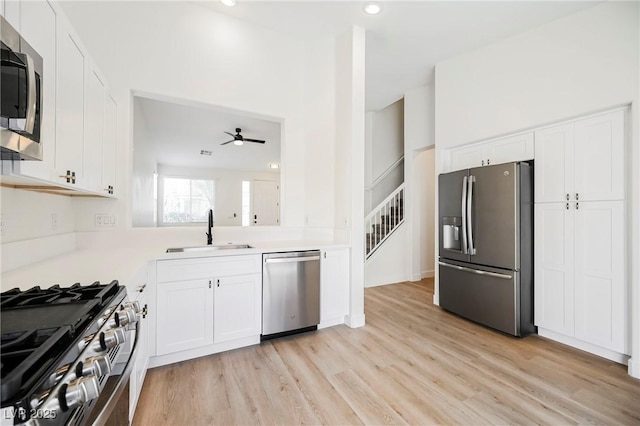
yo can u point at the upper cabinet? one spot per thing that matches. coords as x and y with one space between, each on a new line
79 116
582 160
497 151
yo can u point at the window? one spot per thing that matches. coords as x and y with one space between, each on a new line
186 200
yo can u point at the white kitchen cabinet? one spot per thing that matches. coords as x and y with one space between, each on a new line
38 27
184 317
600 289
334 286
237 307
70 114
582 160
554 267
203 301
580 262
497 151
109 147
142 359
94 130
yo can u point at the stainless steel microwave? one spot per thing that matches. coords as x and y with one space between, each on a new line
20 97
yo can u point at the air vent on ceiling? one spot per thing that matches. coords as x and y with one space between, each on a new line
205 152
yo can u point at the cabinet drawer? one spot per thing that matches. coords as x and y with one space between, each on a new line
187 269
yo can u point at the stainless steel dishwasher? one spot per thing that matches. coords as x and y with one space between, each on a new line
290 293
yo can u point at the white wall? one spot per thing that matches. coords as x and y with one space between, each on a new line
28 214
388 138
349 159
579 64
144 166
214 59
419 118
388 264
425 180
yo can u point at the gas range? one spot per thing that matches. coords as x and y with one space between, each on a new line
59 346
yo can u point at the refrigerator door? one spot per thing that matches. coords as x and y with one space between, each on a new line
488 296
452 197
494 216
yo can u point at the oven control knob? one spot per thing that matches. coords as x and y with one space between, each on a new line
135 305
110 338
126 316
96 365
78 392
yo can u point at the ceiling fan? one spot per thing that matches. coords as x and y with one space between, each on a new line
238 139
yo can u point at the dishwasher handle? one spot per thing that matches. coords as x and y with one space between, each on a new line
291 259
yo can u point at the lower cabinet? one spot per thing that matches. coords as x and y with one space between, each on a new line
580 283
334 286
205 301
142 359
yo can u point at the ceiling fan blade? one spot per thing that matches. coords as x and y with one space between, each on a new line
224 143
230 134
253 140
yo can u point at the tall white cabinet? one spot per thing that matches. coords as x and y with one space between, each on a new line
580 244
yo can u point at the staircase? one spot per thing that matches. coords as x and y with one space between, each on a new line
383 220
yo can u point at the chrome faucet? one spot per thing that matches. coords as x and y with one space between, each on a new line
210 233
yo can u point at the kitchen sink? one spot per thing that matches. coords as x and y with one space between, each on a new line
207 248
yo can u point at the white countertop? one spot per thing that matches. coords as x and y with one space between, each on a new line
87 265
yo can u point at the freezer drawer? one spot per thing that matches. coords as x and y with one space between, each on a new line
487 296
290 291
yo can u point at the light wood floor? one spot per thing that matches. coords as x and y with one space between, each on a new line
412 363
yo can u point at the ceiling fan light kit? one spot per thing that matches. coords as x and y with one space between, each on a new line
238 139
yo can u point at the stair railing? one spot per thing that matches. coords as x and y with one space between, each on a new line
383 220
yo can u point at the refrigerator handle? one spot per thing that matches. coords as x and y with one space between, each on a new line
469 214
464 215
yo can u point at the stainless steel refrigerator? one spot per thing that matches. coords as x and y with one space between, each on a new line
486 245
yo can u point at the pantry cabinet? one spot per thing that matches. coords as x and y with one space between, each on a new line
497 151
581 160
580 239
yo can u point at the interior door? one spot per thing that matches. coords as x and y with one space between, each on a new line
265 203
450 194
495 215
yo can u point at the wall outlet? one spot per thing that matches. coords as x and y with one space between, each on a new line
105 220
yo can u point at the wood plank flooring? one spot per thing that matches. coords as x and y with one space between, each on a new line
412 363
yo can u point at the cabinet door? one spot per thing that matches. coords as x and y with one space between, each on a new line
238 307
70 103
600 290
554 268
334 284
94 131
506 150
599 158
109 147
39 29
142 360
184 317
553 163
464 158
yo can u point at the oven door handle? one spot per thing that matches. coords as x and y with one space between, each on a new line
102 417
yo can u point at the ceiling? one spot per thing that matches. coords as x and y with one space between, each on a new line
178 131
406 40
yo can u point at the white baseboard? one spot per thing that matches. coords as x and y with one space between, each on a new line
428 274
584 346
161 360
436 299
331 322
354 321
634 368
415 277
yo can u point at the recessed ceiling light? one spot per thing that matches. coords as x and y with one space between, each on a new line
238 142
228 2
274 165
372 8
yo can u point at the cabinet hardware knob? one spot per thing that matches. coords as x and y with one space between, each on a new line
209 283
68 176
567 197
577 196
577 206
145 311
567 206
73 177
488 161
218 283
483 162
